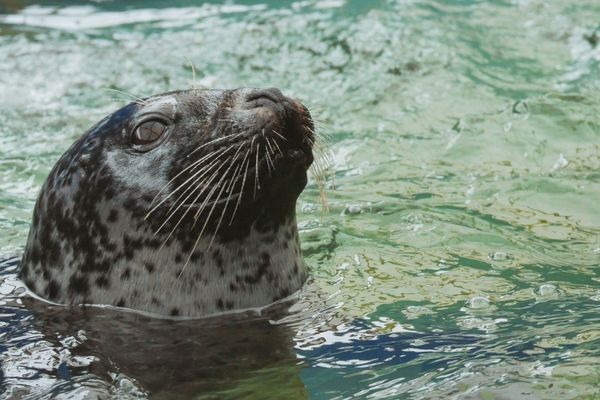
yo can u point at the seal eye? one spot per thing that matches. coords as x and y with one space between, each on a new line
148 132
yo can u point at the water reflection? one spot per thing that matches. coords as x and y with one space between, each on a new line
51 349
460 254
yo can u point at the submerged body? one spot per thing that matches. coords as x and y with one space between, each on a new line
180 204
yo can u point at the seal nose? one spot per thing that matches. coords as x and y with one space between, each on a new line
262 97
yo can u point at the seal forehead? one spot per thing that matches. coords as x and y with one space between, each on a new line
167 105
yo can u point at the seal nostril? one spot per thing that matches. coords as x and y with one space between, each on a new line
271 94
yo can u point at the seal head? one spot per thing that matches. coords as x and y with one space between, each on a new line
180 204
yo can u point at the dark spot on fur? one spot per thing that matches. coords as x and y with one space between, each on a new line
126 274
30 283
52 290
121 303
113 215
196 256
174 312
218 258
153 243
263 266
102 281
79 285
149 267
220 304
155 301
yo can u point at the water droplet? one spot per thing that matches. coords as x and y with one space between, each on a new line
479 302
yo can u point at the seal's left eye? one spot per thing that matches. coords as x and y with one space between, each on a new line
148 132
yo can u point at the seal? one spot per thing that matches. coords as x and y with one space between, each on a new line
180 204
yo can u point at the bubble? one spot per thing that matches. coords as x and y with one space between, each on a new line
479 302
547 289
354 209
413 312
309 208
560 163
498 256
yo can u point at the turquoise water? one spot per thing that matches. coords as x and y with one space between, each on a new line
459 256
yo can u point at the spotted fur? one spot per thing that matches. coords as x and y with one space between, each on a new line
110 225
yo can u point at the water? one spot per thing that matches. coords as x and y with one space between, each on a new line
459 256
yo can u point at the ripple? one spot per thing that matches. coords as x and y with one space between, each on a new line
459 253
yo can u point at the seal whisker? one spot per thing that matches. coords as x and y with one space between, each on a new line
222 213
269 144
182 185
279 134
277 145
203 188
199 167
245 161
191 166
321 168
269 161
247 154
234 179
194 187
136 98
200 235
231 163
241 189
267 153
256 179
204 185
214 203
197 181
193 72
232 136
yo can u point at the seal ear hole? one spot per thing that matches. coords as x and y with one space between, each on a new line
147 135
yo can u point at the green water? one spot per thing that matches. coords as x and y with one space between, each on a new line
464 207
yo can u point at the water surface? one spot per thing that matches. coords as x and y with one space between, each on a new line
459 256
